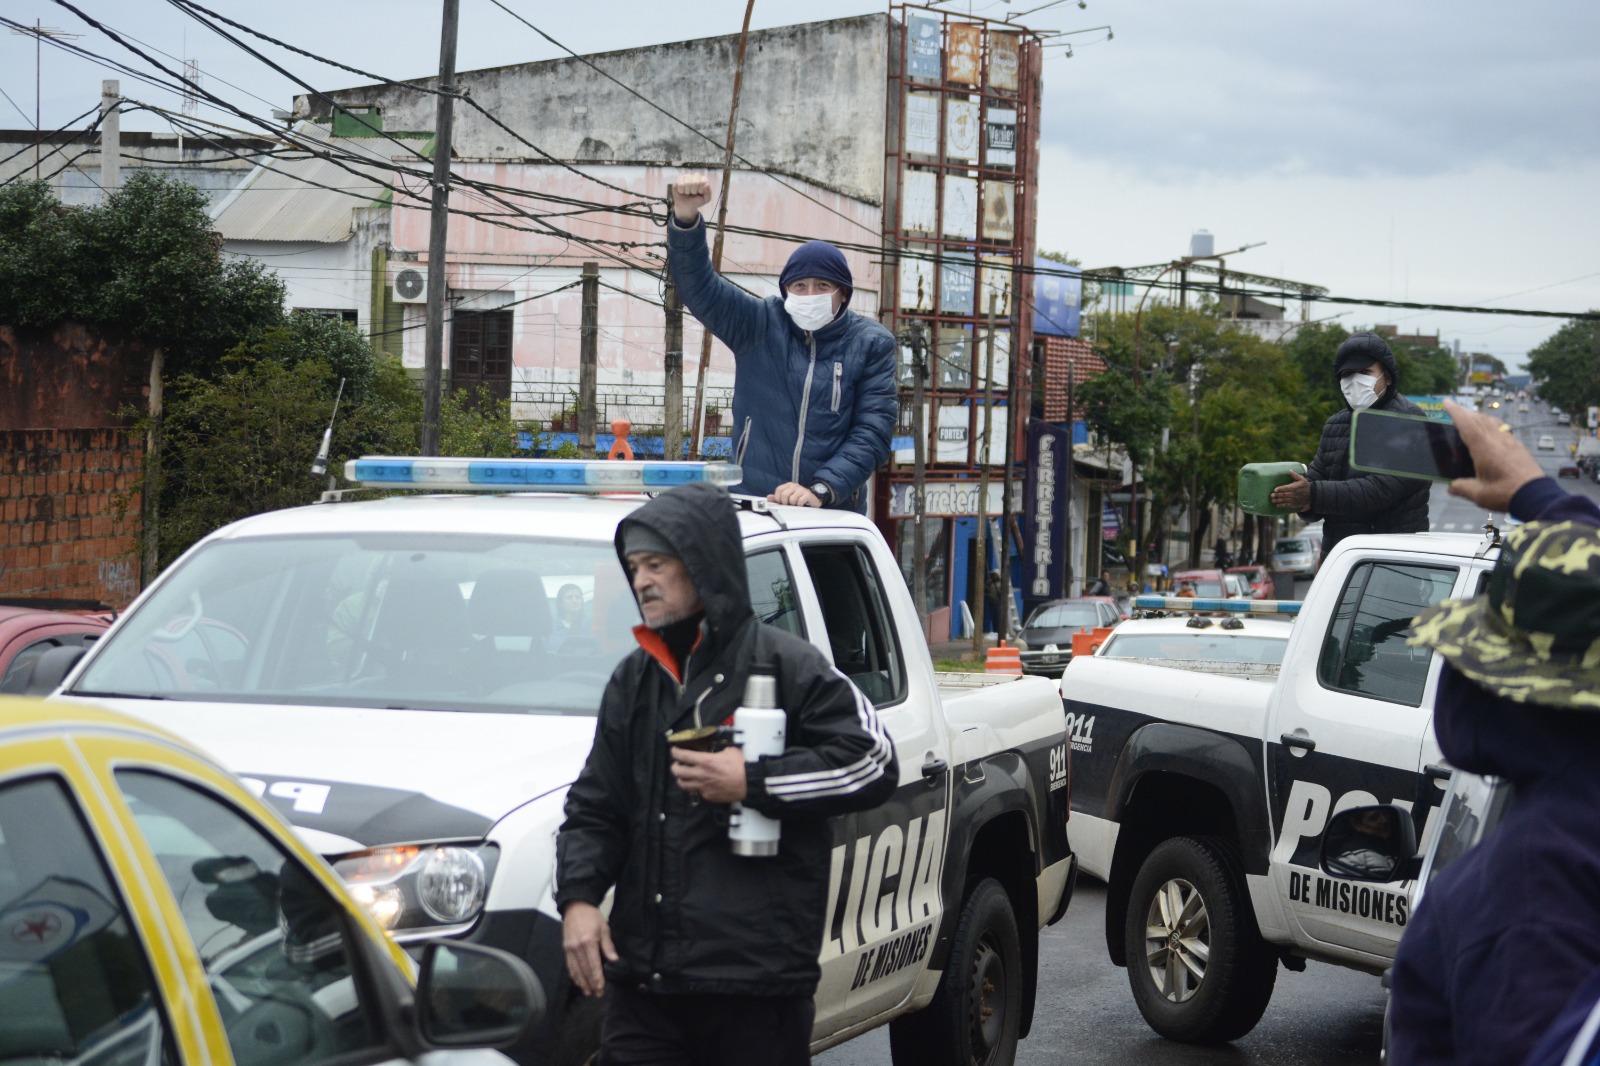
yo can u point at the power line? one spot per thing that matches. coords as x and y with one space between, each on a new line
201 92
187 5
698 133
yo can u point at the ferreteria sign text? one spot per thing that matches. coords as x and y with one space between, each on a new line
951 498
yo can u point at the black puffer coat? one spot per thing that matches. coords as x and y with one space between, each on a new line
1350 503
689 916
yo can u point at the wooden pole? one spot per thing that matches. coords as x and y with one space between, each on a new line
981 542
722 217
672 406
439 232
588 358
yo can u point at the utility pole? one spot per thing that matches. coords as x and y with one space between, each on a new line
980 572
919 475
1013 393
439 231
110 138
672 406
588 358
722 217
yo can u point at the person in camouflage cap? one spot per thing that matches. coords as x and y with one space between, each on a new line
1534 637
1508 931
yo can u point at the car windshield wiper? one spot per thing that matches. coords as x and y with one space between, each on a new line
116 695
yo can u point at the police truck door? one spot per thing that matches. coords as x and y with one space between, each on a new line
1350 733
883 895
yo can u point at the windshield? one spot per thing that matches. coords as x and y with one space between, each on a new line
393 620
1293 544
1206 588
1202 647
1060 615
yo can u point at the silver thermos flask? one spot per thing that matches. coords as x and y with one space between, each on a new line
759 727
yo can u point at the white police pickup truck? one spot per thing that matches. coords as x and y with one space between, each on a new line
413 682
1201 799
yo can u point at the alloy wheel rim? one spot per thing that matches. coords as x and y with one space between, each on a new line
1177 940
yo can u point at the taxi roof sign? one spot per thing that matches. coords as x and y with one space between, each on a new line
533 475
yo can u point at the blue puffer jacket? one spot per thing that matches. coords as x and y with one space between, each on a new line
807 407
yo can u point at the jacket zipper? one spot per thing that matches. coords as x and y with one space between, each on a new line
838 373
805 409
744 441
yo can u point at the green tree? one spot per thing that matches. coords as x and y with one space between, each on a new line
240 441
144 265
1425 369
1567 365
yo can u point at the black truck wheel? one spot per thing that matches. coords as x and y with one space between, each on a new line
977 1012
1199 969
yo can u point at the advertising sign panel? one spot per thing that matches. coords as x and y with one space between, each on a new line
1044 511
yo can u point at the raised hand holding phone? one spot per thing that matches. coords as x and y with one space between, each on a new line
1415 446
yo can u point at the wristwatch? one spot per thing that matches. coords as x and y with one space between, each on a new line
822 492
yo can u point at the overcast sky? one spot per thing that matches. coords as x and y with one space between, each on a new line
1443 153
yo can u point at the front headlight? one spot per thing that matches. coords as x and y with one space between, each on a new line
414 890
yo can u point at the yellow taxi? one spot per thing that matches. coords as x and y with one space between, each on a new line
153 911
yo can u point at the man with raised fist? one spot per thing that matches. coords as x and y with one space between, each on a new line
814 392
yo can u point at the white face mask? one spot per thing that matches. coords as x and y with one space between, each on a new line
1359 390
810 312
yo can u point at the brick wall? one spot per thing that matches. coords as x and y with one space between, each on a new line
66 463
70 376
59 535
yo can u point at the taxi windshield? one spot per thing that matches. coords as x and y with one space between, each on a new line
395 620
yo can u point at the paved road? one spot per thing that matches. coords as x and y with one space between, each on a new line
1326 1016
1450 514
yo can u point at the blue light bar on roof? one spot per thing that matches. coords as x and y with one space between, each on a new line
1195 603
533 475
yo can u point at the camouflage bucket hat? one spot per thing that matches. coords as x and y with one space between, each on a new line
1534 637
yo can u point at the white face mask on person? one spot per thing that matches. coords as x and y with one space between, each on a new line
1360 390
810 312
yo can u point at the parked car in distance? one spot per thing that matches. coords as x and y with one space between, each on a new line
1563 418
1259 578
28 632
1547 443
1297 555
1568 470
1047 633
1211 584
1522 408
158 911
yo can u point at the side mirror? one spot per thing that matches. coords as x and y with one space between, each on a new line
469 995
1372 844
51 668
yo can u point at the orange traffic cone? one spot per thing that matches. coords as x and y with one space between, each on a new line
1003 660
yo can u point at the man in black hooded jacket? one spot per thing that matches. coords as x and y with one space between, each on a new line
1350 503
708 955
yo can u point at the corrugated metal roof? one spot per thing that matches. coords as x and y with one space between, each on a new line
305 197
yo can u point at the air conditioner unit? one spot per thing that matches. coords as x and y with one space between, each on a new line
410 286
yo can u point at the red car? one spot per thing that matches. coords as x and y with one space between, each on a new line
27 633
1210 584
1259 579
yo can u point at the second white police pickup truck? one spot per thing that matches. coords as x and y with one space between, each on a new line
1201 799
413 681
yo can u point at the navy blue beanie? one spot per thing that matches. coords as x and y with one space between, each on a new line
1360 350
817 259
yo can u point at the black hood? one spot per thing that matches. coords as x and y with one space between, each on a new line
1361 350
701 523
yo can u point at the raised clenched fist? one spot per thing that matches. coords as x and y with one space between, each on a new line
690 193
